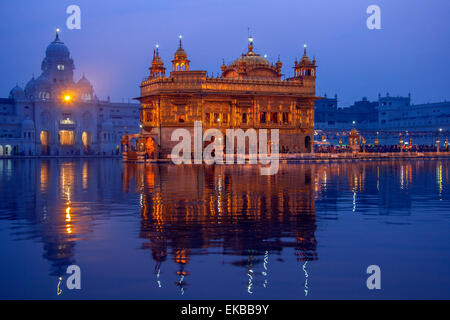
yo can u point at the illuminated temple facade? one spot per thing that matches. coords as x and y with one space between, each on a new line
55 115
250 93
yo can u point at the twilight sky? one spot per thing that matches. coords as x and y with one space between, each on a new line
115 44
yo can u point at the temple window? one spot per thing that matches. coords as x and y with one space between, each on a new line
262 118
244 118
216 117
274 117
148 116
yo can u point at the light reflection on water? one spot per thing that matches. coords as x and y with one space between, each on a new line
165 231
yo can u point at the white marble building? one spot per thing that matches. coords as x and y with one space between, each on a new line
54 115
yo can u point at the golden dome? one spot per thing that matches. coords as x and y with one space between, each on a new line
250 59
305 60
180 53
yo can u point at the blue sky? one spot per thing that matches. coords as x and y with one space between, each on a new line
115 44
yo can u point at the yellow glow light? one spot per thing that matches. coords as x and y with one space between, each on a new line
68 217
67 98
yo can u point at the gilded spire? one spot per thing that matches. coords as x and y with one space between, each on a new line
224 66
250 44
180 61
157 69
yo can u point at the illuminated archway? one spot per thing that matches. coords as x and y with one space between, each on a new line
308 143
45 141
149 147
86 137
8 150
66 137
1 151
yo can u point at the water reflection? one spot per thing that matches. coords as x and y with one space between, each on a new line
47 199
181 213
228 210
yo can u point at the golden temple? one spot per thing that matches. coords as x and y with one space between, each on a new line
250 93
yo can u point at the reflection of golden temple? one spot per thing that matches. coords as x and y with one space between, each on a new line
217 207
250 93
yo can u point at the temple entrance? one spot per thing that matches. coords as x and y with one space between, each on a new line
308 143
1 151
45 142
66 141
66 138
86 137
149 148
7 150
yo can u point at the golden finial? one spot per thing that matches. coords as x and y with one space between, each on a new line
250 44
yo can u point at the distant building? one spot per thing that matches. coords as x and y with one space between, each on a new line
325 112
329 117
398 114
394 114
54 115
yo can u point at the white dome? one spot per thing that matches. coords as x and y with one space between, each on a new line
17 93
30 87
84 81
57 49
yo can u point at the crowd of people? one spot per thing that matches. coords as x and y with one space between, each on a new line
379 149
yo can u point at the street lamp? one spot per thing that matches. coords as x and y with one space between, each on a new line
401 142
67 98
438 140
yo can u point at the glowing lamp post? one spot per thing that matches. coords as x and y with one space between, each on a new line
438 140
67 98
401 143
